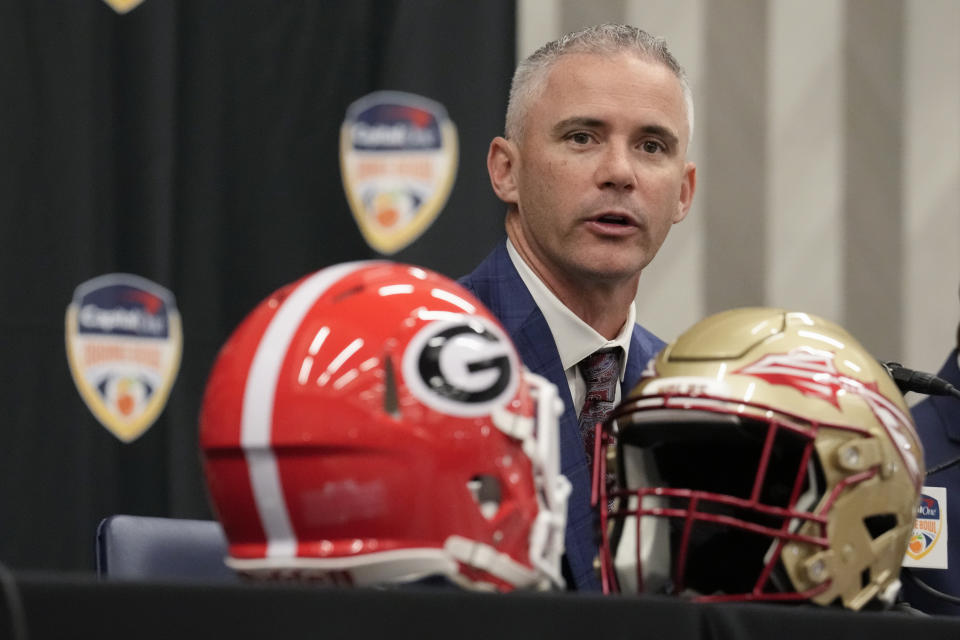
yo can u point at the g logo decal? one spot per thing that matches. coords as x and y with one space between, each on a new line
461 367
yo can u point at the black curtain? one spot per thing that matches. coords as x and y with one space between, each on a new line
195 143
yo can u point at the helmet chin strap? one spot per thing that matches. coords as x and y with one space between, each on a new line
486 558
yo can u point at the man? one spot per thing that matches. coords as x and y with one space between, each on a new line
593 171
938 423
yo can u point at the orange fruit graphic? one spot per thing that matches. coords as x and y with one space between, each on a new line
125 404
387 217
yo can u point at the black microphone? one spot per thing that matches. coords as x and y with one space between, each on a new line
918 381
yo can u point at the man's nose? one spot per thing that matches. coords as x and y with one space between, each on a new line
616 169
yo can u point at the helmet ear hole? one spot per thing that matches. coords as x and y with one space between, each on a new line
879 524
485 490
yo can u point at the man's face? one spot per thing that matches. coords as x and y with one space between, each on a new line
600 172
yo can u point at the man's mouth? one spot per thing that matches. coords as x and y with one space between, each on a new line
613 218
613 225
616 217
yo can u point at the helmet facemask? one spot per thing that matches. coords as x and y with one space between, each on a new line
715 496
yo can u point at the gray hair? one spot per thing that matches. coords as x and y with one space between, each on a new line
529 79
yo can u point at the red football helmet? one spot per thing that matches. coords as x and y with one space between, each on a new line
371 423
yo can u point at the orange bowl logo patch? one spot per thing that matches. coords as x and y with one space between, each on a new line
926 528
124 342
398 160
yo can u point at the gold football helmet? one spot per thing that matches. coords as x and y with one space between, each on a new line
765 455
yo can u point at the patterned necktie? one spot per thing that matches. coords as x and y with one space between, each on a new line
601 372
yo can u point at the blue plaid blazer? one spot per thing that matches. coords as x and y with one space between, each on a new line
496 283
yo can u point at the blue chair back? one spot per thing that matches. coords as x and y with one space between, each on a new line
149 548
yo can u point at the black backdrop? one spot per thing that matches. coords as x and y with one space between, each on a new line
195 143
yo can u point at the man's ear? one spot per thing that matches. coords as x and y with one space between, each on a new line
687 188
501 165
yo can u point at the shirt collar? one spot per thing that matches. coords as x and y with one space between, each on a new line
575 338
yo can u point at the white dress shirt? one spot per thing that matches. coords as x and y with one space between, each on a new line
575 339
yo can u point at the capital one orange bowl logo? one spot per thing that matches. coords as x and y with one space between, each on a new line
124 343
926 528
398 160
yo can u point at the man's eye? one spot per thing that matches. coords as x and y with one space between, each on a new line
580 138
652 147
